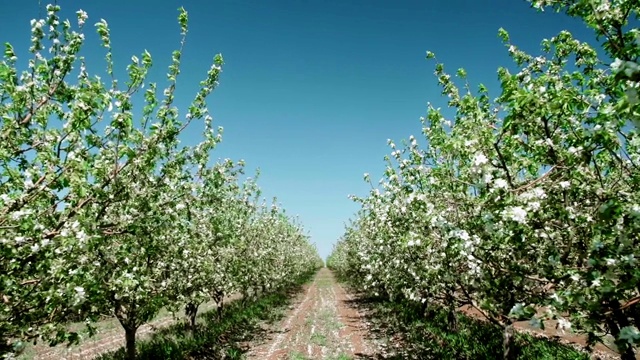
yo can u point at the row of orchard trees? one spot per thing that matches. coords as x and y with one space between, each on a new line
530 201
104 213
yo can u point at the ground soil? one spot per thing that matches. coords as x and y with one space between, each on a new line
319 326
602 351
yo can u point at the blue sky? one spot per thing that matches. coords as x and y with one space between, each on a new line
311 90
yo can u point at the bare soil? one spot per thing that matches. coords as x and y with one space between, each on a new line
603 351
320 325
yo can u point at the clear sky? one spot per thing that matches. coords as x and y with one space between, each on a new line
311 90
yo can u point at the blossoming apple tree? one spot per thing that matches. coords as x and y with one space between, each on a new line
522 203
105 213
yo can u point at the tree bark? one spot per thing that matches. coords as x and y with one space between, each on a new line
219 299
451 315
452 320
127 316
507 343
191 310
626 350
423 309
130 337
220 310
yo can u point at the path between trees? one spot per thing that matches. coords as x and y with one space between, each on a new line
320 326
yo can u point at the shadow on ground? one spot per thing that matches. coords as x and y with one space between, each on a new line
402 331
230 337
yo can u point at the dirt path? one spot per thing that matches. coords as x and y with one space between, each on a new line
320 326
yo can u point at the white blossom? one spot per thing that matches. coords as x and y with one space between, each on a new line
564 324
515 213
480 159
500 183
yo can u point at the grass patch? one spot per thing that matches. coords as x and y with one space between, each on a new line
308 322
329 320
333 325
429 337
318 339
296 356
324 282
342 357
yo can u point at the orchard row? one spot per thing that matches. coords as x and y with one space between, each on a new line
525 203
103 213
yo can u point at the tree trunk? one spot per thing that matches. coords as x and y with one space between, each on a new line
629 353
218 296
130 337
191 310
451 316
626 350
452 320
507 343
5 346
245 295
220 309
126 315
423 309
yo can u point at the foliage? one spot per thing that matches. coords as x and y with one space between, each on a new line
424 333
526 202
103 212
